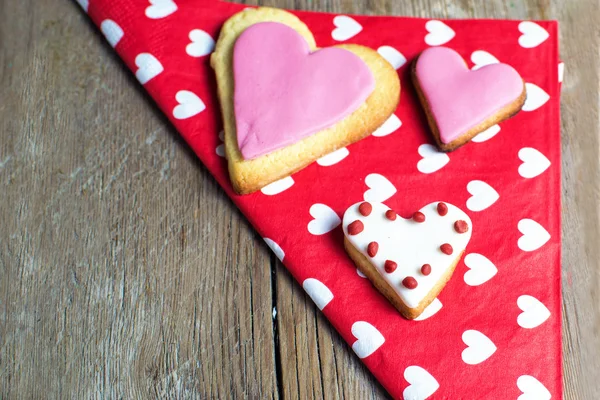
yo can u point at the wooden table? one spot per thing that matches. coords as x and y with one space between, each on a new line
127 273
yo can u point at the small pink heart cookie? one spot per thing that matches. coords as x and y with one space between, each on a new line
460 103
408 260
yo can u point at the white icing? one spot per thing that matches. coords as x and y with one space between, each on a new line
410 244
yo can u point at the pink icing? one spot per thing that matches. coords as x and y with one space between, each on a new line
284 93
460 99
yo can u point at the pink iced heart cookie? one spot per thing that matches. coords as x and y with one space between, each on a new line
460 103
408 260
284 92
286 103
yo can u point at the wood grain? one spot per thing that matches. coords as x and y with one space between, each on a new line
106 291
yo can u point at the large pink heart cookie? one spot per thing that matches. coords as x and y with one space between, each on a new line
284 92
408 260
286 103
460 103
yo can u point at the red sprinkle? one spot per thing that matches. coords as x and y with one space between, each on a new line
442 209
355 228
410 283
426 269
419 217
390 266
446 249
461 226
365 209
372 249
391 215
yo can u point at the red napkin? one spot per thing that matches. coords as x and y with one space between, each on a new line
495 330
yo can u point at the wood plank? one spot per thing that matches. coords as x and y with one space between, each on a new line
126 271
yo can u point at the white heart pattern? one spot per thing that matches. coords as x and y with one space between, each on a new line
358 271
480 271
84 4
421 383
278 186
534 312
369 339
534 162
532 34
112 31
391 125
325 219
534 235
393 56
148 67
160 8
433 160
487 134
561 71
536 97
439 33
275 248
334 157
189 105
482 58
318 292
430 310
380 190
482 195
479 347
202 43
346 28
380 235
532 389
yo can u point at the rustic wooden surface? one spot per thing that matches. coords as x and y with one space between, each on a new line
126 272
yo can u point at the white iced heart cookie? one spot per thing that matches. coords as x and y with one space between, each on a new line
408 260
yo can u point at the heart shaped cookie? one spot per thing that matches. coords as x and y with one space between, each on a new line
408 260
286 103
460 103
